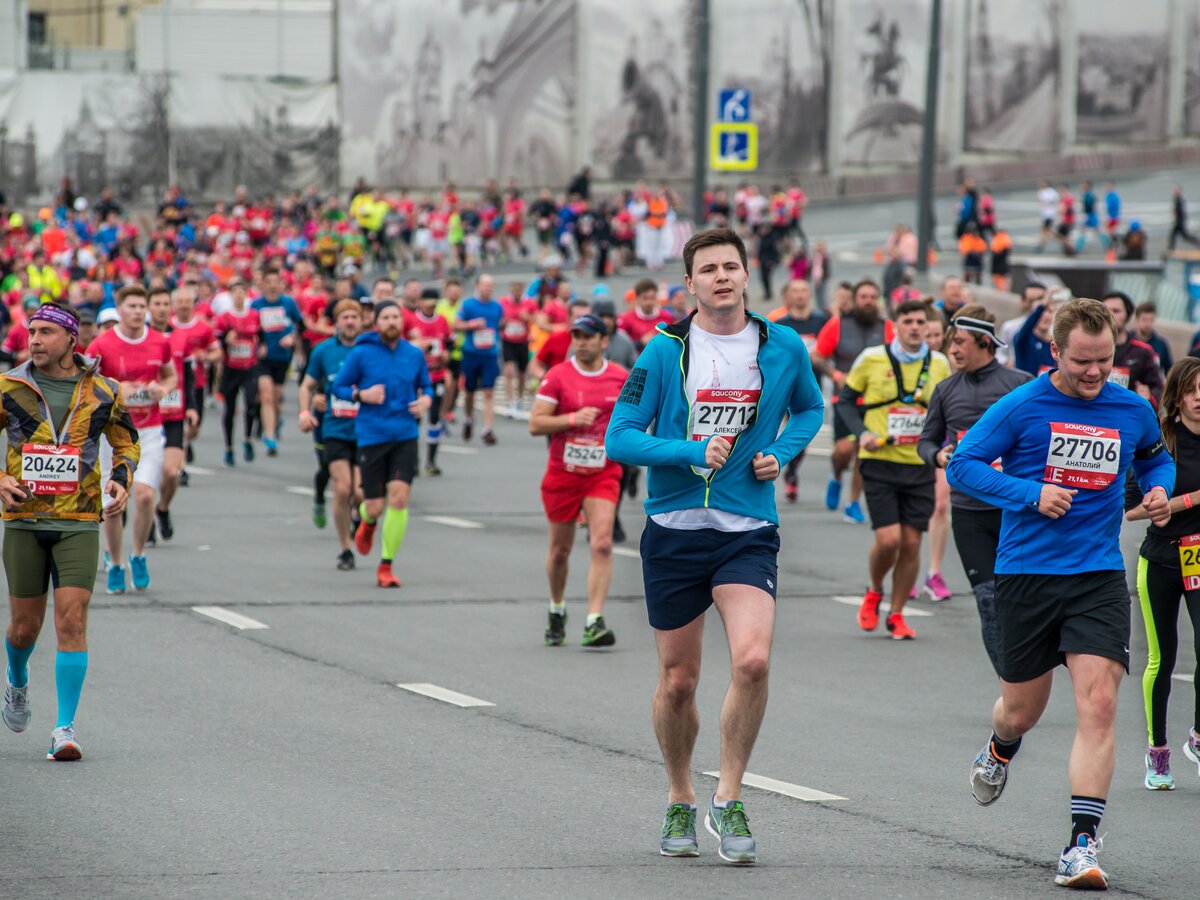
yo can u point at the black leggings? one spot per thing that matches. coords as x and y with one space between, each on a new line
232 381
1159 588
976 535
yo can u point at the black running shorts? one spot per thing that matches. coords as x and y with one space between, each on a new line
1042 618
381 463
898 493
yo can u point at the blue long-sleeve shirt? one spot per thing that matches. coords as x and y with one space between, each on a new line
1031 352
402 372
1043 436
656 392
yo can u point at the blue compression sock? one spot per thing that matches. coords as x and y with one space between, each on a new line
69 672
18 664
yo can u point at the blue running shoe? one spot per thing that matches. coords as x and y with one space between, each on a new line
140 572
248 451
107 561
116 579
229 458
833 494
853 513
272 446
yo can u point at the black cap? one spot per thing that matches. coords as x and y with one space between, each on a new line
602 306
589 324
430 293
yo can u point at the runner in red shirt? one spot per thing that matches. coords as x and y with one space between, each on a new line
240 333
557 347
140 359
641 322
573 406
519 313
431 331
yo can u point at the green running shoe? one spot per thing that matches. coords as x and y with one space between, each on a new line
679 831
318 515
556 631
730 825
598 635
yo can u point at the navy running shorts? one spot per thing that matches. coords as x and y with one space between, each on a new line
480 371
681 568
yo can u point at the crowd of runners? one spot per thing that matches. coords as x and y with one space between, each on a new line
1026 439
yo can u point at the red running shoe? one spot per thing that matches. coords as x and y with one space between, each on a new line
384 576
363 537
899 628
868 612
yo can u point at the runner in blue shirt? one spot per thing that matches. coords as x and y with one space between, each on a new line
280 320
1066 442
479 319
332 422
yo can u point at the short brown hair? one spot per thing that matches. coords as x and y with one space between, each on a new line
1148 306
911 306
712 237
866 282
130 290
644 285
1090 315
346 305
158 289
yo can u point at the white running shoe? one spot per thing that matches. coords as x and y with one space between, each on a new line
16 706
63 746
1077 868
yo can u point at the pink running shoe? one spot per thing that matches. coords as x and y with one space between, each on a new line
935 585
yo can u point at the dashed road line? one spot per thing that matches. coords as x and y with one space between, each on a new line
300 489
798 791
909 610
459 451
444 694
237 620
1190 678
625 551
453 522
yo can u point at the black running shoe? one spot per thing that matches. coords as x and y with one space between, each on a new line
165 528
191 454
345 562
152 537
184 479
556 631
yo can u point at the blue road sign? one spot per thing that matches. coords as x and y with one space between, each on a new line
734 147
733 105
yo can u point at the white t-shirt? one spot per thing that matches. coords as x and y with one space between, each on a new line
1048 198
723 387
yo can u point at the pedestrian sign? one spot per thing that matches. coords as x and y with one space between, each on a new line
733 147
733 105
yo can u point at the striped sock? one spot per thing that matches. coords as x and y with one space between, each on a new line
1086 813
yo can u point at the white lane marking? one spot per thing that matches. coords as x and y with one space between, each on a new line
300 489
453 522
883 610
203 547
799 791
199 470
818 451
625 551
237 620
444 694
1191 677
461 451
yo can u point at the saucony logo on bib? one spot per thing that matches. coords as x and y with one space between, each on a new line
1084 429
735 396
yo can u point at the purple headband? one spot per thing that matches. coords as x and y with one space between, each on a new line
58 317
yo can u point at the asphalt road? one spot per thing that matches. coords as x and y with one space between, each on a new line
284 760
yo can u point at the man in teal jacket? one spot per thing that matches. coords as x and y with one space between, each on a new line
716 387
